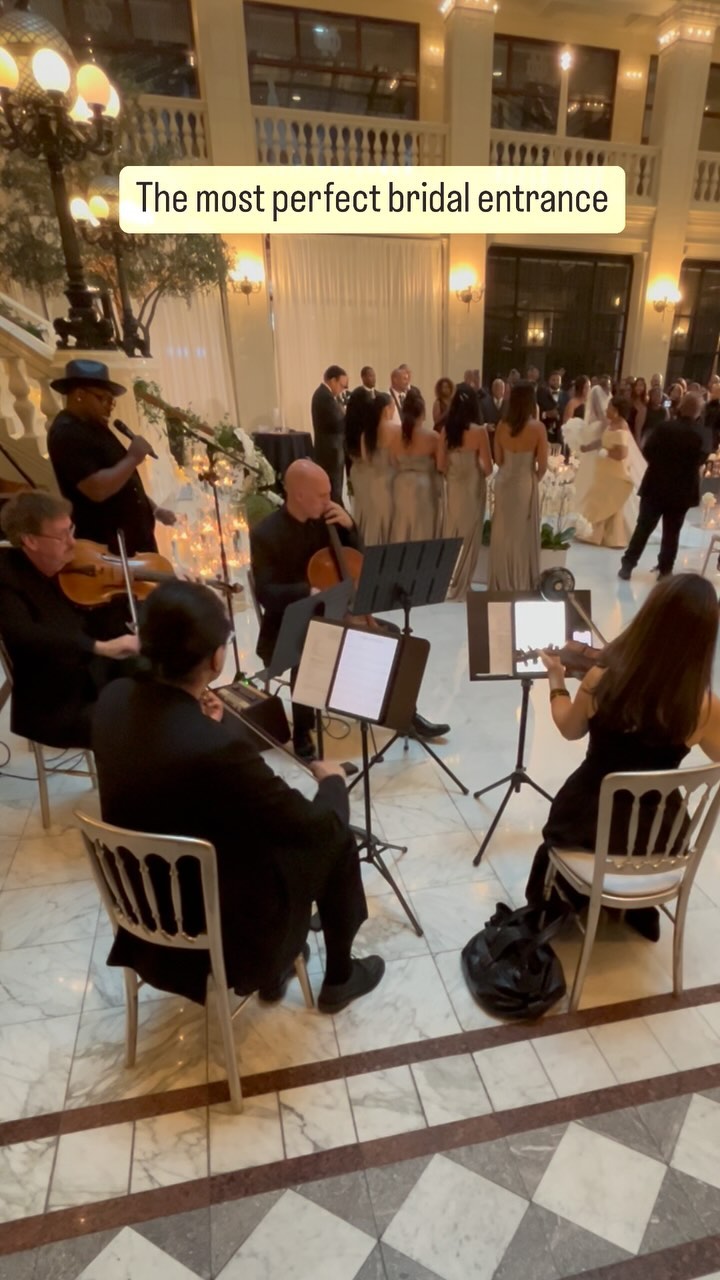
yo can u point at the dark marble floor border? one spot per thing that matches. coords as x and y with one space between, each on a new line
73 1120
64 1224
686 1261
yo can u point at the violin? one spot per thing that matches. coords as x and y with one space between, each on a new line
95 576
577 658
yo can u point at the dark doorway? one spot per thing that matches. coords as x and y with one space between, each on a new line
695 334
555 310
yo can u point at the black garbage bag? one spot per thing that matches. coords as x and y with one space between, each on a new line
510 967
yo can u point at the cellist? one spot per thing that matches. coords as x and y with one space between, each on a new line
58 667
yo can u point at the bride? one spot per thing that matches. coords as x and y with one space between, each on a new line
611 468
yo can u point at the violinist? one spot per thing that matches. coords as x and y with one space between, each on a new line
58 667
281 547
94 471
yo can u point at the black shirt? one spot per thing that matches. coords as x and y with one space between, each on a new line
77 450
280 550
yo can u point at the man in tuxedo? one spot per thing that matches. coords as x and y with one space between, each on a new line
368 382
58 667
548 398
399 387
281 547
328 420
492 404
171 759
670 486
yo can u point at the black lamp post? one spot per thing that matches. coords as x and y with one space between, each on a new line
43 115
98 225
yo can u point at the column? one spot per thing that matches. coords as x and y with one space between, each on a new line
686 40
469 34
222 59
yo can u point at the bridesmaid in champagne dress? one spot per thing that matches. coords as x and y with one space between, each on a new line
372 470
417 484
521 452
466 462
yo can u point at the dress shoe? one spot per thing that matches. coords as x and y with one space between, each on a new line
304 748
276 988
646 922
365 976
425 729
624 573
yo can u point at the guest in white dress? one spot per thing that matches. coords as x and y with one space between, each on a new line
373 468
466 461
416 486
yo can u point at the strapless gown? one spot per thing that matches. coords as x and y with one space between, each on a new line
416 499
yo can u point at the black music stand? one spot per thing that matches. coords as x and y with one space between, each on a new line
399 698
406 575
482 660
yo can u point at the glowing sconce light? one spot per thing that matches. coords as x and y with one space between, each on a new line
247 277
566 59
663 294
463 282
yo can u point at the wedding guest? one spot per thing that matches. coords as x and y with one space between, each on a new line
656 412
399 385
675 395
373 469
368 381
444 390
575 407
466 462
548 398
712 416
521 452
416 486
644 706
638 408
328 421
492 404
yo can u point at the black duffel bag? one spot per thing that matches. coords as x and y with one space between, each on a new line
510 967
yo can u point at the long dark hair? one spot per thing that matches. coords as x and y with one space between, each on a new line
464 412
413 409
521 407
375 409
652 685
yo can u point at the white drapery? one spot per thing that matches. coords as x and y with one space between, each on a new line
355 300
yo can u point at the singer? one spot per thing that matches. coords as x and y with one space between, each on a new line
93 470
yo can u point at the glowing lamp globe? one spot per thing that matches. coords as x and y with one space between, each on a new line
9 74
51 71
93 85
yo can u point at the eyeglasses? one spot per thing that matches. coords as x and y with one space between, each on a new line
67 536
103 397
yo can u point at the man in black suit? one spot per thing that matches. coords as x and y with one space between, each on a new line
670 486
492 404
368 382
281 547
58 667
328 420
548 399
170 759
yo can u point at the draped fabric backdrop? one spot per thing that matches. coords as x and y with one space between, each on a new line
355 300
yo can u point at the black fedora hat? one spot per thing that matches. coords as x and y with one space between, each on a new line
89 373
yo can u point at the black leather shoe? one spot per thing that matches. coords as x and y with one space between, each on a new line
365 976
304 748
624 573
275 990
425 729
646 922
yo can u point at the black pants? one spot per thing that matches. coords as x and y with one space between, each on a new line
648 519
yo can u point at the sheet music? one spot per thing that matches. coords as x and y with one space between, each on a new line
538 625
500 641
361 682
322 645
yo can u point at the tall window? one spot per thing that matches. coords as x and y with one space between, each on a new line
144 44
332 62
526 88
555 310
695 334
710 132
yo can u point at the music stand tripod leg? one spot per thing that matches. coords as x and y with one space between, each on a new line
519 775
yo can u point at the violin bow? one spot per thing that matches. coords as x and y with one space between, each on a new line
128 580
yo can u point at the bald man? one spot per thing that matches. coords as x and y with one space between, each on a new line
671 485
281 547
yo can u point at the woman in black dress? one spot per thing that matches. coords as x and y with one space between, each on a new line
646 703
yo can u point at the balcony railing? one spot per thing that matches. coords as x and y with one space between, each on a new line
706 184
175 125
320 138
640 163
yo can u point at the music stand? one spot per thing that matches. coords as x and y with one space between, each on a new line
491 642
334 679
407 575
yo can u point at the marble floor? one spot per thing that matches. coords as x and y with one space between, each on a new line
410 1137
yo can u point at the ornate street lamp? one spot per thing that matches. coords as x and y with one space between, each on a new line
54 110
97 219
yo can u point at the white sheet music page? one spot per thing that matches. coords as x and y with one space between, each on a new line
361 681
317 664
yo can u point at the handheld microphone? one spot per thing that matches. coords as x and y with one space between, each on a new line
129 435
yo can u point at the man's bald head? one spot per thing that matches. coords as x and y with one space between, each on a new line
307 488
691 405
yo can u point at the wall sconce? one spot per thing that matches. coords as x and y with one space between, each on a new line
566 59
535 336
246 277
466 288
663 294
633 79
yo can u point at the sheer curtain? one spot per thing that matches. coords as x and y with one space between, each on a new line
189 346
354 300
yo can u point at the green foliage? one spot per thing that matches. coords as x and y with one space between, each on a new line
555 539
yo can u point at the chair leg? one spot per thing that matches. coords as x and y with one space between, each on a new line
92 771
679 940
303 979
42 784
222 1003
587 946
131 1016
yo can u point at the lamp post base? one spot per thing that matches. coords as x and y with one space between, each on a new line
84 328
